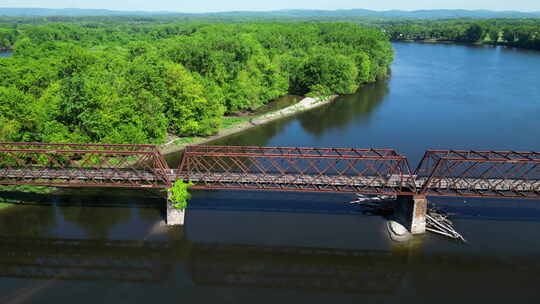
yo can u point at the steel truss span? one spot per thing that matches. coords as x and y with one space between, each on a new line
83 165
479 173
375 171
370 171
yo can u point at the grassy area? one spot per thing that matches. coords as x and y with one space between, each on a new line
186 140
231 121
230 124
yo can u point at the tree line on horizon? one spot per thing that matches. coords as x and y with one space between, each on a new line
521 33
123 83
511 31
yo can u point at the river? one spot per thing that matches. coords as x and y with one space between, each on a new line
97 246
5 54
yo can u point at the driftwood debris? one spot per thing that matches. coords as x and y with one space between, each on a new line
437 220
378 205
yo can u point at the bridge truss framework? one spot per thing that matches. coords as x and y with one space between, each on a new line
370 171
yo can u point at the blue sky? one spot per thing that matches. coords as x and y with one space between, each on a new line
225 5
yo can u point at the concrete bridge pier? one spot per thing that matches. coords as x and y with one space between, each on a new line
411 211
175 216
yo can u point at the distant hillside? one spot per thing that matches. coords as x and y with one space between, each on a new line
69 12
420 14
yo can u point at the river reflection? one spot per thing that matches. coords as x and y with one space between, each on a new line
355 108
333 117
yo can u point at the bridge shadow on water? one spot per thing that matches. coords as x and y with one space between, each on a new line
390 273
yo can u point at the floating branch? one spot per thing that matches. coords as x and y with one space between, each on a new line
438 222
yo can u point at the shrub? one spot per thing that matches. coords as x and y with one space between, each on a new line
179 194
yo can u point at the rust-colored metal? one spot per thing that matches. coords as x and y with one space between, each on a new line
479 174
373 171
370 171
83 165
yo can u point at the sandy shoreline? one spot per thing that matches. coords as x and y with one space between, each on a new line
305 104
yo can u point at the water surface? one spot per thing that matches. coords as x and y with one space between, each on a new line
104 246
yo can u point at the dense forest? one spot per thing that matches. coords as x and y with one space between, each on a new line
522 33
135 83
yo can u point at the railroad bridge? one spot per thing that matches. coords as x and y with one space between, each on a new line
507 174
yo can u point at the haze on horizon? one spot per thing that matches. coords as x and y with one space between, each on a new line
242 5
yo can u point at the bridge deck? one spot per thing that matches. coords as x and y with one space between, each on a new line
228 180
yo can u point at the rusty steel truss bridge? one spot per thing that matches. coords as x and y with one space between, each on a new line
370 171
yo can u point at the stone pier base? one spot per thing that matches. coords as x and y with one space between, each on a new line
411 211
174 216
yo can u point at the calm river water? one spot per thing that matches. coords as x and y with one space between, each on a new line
249 247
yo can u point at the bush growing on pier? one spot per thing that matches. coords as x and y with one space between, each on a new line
179 194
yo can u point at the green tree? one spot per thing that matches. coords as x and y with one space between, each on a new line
494 35
509 35
188 110
473 33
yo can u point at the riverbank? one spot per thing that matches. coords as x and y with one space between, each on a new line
234 125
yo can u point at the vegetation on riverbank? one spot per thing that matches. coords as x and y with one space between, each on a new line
235 124
119 83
